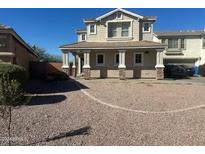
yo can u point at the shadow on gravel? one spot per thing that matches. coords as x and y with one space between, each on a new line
43 100
43 87
77 132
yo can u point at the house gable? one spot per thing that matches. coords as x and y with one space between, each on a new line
97 29
119 10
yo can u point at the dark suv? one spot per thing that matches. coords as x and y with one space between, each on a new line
190 70
175 71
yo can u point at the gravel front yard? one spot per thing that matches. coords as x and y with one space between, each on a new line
60 114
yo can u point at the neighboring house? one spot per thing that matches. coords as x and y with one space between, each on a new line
13 49
184 47
117 44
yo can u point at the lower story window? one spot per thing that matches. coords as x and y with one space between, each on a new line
100 59
117 59
138 59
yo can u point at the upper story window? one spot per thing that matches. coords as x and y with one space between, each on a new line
182 43
163 41
146 27
119 15
173 43
112 30
203 43
3 41
92 28
121 29
83 37
125 30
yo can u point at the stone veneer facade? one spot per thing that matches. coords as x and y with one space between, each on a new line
74 73
122 73
86 72
159 73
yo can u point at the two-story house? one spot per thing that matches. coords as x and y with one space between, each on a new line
116 44
13 49
184 47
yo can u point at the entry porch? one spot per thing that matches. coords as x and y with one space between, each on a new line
120 64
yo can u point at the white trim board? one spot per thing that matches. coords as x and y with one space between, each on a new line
121 10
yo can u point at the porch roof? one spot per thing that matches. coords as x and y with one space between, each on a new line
113 45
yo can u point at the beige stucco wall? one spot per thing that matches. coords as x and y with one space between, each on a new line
21 56
101 35
111 70
193 51
193 47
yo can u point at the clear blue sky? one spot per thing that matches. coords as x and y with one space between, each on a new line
49 28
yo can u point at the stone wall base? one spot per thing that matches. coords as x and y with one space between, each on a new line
74 73
159 73
122 73
86 72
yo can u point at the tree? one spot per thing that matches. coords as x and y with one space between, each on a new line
11 95
43 56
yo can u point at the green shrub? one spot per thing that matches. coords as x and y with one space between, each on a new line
14 72
11 95
11 92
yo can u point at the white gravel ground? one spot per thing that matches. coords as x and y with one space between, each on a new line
71 118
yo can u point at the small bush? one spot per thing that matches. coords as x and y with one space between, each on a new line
11 95
14 72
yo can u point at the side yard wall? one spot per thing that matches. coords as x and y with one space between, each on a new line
41 70
22 55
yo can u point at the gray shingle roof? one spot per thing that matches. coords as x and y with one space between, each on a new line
4 26
113 45
81 30
180 33
150 18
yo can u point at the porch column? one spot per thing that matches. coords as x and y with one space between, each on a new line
122 66
74 66
79 64
65 66
159 64
86 66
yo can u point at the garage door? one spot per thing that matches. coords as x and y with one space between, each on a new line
188 62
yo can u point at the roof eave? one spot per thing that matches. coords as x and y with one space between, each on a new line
116 10
13 32
90 48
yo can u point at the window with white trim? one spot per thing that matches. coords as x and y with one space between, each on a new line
92 29
173 43
138 58
112 29
203 42
3 41
83 37
100 59
118 29
182 43
146 27
117 58
163 41
125 29
119 15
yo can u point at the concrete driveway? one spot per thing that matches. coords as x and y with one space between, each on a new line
112 112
